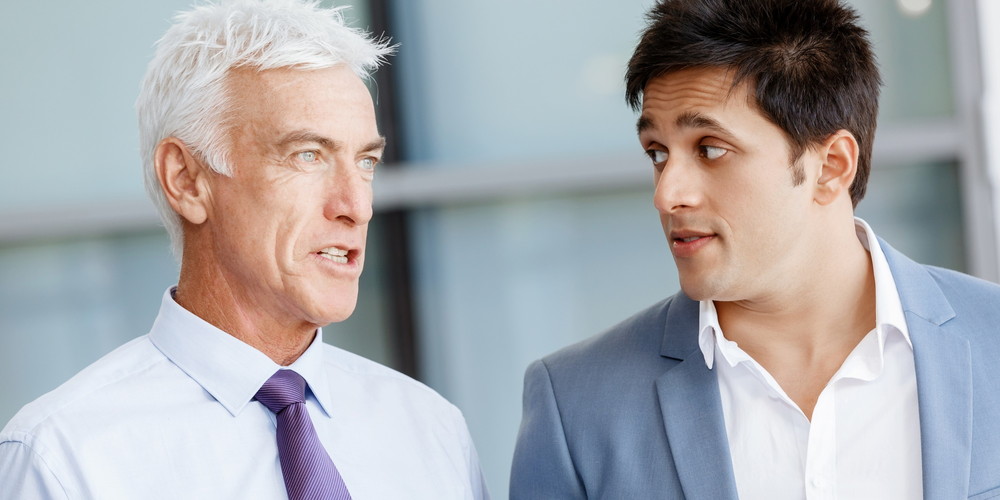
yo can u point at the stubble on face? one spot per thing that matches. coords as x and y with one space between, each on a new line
726 193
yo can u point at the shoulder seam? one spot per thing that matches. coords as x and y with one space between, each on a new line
42 418
39 457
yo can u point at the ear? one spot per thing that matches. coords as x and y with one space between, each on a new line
183 180
839 154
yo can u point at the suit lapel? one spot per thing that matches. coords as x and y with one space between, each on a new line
944 379
692 410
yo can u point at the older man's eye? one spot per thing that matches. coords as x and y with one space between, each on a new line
712 152
368 163
308 156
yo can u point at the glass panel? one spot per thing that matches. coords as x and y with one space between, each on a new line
67 99
912 47
917 208
497 81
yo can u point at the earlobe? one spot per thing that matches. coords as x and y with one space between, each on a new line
182 179
839 154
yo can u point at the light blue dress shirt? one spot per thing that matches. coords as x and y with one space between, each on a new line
170 415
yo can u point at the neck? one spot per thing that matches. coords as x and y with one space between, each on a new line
825 308
802 333
206 292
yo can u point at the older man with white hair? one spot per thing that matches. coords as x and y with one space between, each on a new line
259 143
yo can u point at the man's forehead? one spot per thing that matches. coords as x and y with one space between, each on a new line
277 80
693 97
330 107
709 84
271 89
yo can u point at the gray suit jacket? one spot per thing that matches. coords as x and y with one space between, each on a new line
634 413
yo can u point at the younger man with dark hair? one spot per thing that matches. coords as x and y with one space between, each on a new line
804 357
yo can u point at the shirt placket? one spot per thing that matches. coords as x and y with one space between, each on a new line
821 452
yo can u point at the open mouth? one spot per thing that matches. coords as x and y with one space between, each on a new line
688 239
685 243
681 238
338 255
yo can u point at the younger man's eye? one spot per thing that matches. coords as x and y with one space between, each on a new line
658 156
712 152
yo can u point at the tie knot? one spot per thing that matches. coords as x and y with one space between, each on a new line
284 388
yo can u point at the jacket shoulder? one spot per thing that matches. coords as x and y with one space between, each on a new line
629 342
975 304
964 287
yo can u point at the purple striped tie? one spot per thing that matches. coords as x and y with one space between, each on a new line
308 470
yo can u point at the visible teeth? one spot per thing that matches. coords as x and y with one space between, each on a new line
689 240
335 258
334 251
338 255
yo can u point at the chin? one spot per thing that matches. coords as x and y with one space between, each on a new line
332 304
698 290
335 313
695 294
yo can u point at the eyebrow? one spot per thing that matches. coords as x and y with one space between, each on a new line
376 145
693 119
326 142
643 124
690 119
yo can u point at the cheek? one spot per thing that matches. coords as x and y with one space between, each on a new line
290 241
268 229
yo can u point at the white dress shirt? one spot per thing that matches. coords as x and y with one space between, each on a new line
864 438
170 415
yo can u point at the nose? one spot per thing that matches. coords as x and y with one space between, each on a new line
677 187
349 196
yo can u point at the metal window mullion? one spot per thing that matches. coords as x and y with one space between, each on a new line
979 190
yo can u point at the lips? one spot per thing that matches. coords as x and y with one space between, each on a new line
335 254
687 236
338 254
685 243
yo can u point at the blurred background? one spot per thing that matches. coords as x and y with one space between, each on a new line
514 215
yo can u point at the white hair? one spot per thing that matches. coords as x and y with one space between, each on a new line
183 94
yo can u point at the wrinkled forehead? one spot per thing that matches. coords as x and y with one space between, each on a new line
327 93
258 83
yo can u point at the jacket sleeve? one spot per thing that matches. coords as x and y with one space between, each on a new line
543 467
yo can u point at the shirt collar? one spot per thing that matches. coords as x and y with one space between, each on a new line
710 336
226 367
888 308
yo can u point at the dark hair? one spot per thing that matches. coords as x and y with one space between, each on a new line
808 64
